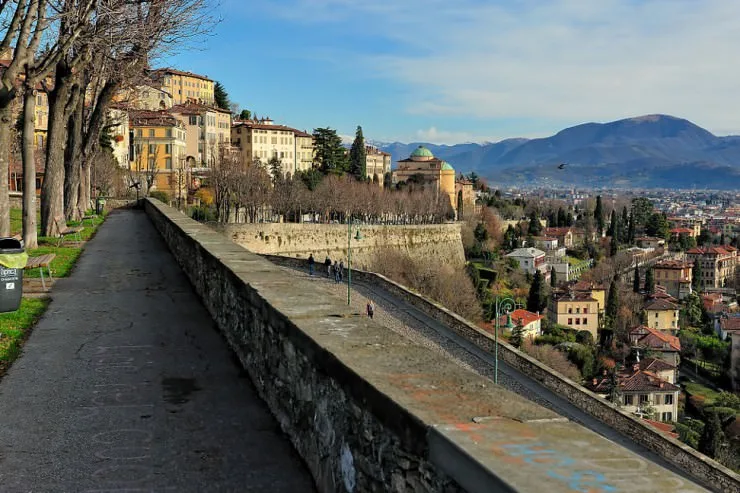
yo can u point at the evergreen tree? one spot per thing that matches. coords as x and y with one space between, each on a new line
569 220
696 276
517 336
245 115
537 300
657 225
562 218
221 97
712 439
329 155
599 216
612 304
631 230
623 225
649 281
642 208
613 225
358 156
275 165
615 393
613 246
553 278
636 280
535 228
552 219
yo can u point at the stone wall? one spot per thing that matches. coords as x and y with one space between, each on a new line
368 410
436 241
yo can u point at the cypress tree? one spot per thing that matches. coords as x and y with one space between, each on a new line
535 228
569 220
623 222
613 225
649 281
612 304
696 276
553 278
712 438
562 219
220 96
517 336
537 300
631 230
636 280
599 215
613 246
358 156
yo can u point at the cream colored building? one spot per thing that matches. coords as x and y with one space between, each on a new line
185 86
377 164
422 166
576 310
121 136
145 97
662 315
675 277
207 129
260 141
717 265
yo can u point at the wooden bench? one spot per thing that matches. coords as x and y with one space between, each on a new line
65 230
40 262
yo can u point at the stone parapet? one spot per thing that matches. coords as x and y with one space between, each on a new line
367 409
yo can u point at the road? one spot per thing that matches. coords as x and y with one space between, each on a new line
429 331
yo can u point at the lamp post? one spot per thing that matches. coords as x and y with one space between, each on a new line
358 237
503 306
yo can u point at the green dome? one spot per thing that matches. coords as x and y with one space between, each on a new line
422 151
447 166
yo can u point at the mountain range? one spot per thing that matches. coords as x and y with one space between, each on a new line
651 151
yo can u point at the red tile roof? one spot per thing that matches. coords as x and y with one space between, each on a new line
660 304
179 72
520 317
655 365
192 108
645 381
673 264
654 339
682 231
730 324
666 428
723 250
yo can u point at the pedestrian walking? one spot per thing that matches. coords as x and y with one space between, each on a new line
337 272
311 262
370 309
327 264
341 270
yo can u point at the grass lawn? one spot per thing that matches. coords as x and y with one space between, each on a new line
14 328
693 388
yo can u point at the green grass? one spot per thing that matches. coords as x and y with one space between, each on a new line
693 388
14 328
62 264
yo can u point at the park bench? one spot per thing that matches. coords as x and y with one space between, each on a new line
40 262
65 230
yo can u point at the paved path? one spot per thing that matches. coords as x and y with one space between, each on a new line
125 385
410 322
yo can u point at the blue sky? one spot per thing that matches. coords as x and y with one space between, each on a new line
474 70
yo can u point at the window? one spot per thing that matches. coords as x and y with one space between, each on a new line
628 400
570 310
656 315
667 416
168 148
585 309
151 162
152 148
168 132
585 321
578 321
168 163
570 321
644 398
138 132
668 399
151 132
578 309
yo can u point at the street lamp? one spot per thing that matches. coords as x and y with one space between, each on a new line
358 236
503 306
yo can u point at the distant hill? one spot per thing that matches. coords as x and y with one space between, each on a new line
646 151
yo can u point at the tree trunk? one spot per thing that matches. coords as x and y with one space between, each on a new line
29 168
6 124
72 156
83 197
52 190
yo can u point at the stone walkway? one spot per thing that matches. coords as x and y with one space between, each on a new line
125 385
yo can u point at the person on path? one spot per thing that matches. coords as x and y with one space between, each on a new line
370 309
327 264
341 270
311 262
337 272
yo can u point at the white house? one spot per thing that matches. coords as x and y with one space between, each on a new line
530 260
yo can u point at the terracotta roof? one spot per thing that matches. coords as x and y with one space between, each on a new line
179 72
724 250
573 296
192 108
655 339
520 317
588 286
265 126
655 365
557 231
673 264
682 231
645 381
666 428
138 118
658 304
730 324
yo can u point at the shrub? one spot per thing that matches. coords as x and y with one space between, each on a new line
205 196
553 358
161 196
725 414
728 399
688 435
584 337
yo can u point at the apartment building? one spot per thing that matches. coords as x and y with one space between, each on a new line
576 310
262 140
377 164
717 265
207 129
530 260
157 154
145 97
675 277
185 86
662 315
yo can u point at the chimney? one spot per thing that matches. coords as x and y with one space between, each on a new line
636 367
662 384
595 382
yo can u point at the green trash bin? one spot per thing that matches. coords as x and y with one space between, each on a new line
13 259
99 205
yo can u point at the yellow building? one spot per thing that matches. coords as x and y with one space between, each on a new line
260 141
576 310
158 157
377 164
207 129
662 315
421 166
465 198
675 276
42 119
144 97
185 86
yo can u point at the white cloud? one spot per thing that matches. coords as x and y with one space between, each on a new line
558 60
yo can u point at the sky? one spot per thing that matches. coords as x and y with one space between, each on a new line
473 70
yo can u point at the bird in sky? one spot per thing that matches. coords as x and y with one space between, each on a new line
562 165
